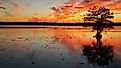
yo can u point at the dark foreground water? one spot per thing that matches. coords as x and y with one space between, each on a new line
58 48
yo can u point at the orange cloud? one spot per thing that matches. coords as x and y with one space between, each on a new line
13 9
73 9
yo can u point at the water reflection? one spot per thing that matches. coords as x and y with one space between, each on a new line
98 54
58 48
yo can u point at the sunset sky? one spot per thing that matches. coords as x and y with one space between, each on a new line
52 10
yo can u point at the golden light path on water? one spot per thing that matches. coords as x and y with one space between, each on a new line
45 47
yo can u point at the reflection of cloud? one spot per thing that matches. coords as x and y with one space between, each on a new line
73 42
98 56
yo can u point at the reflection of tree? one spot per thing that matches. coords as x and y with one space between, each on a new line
100 55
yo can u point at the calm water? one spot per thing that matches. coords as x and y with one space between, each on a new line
58 48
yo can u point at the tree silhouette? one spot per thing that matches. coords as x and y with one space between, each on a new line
100 16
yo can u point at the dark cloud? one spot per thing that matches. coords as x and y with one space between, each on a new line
2 5
87 0
2 8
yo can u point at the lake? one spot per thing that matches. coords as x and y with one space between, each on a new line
58 48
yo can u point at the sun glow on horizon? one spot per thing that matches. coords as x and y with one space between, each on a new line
53 11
